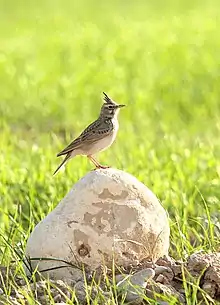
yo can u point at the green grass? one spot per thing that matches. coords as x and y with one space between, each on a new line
160 58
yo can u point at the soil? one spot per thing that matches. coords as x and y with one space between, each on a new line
199 269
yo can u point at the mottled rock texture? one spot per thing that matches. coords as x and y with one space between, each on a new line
107 213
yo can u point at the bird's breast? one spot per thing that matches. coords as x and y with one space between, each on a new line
105 142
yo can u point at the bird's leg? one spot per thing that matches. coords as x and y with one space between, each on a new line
96 163
93 161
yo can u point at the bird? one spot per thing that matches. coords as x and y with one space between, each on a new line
97 137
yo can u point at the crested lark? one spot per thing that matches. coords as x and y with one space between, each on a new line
97 136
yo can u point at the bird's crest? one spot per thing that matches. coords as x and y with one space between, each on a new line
107 99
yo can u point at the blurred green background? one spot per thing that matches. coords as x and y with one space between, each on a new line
160 58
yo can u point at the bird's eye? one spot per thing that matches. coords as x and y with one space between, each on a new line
110 107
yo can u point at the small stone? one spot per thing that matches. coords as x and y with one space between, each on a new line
210 288
80 291
120 277
134 285
162 279
165 261
208 265
169 262
44 299
166 274
57 298
8 300
59 291
213 272
167 290
22 282
177 269
197 263
161 269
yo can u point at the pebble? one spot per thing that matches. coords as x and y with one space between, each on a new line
134 284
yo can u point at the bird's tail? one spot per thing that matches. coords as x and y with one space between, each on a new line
62 163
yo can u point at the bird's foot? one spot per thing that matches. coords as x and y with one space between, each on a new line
97 164
101 167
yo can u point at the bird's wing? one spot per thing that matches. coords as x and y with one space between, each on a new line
93 133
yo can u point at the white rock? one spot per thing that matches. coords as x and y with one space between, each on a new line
107 211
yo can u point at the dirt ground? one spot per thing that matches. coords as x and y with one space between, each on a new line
199 269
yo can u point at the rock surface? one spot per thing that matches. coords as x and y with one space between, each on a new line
107 211
207 267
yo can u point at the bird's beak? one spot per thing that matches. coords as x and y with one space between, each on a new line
120 106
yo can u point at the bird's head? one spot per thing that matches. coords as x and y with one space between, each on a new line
110 109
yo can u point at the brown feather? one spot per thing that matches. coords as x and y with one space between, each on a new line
93 133
61 164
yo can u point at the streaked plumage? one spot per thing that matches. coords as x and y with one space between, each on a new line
98 136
